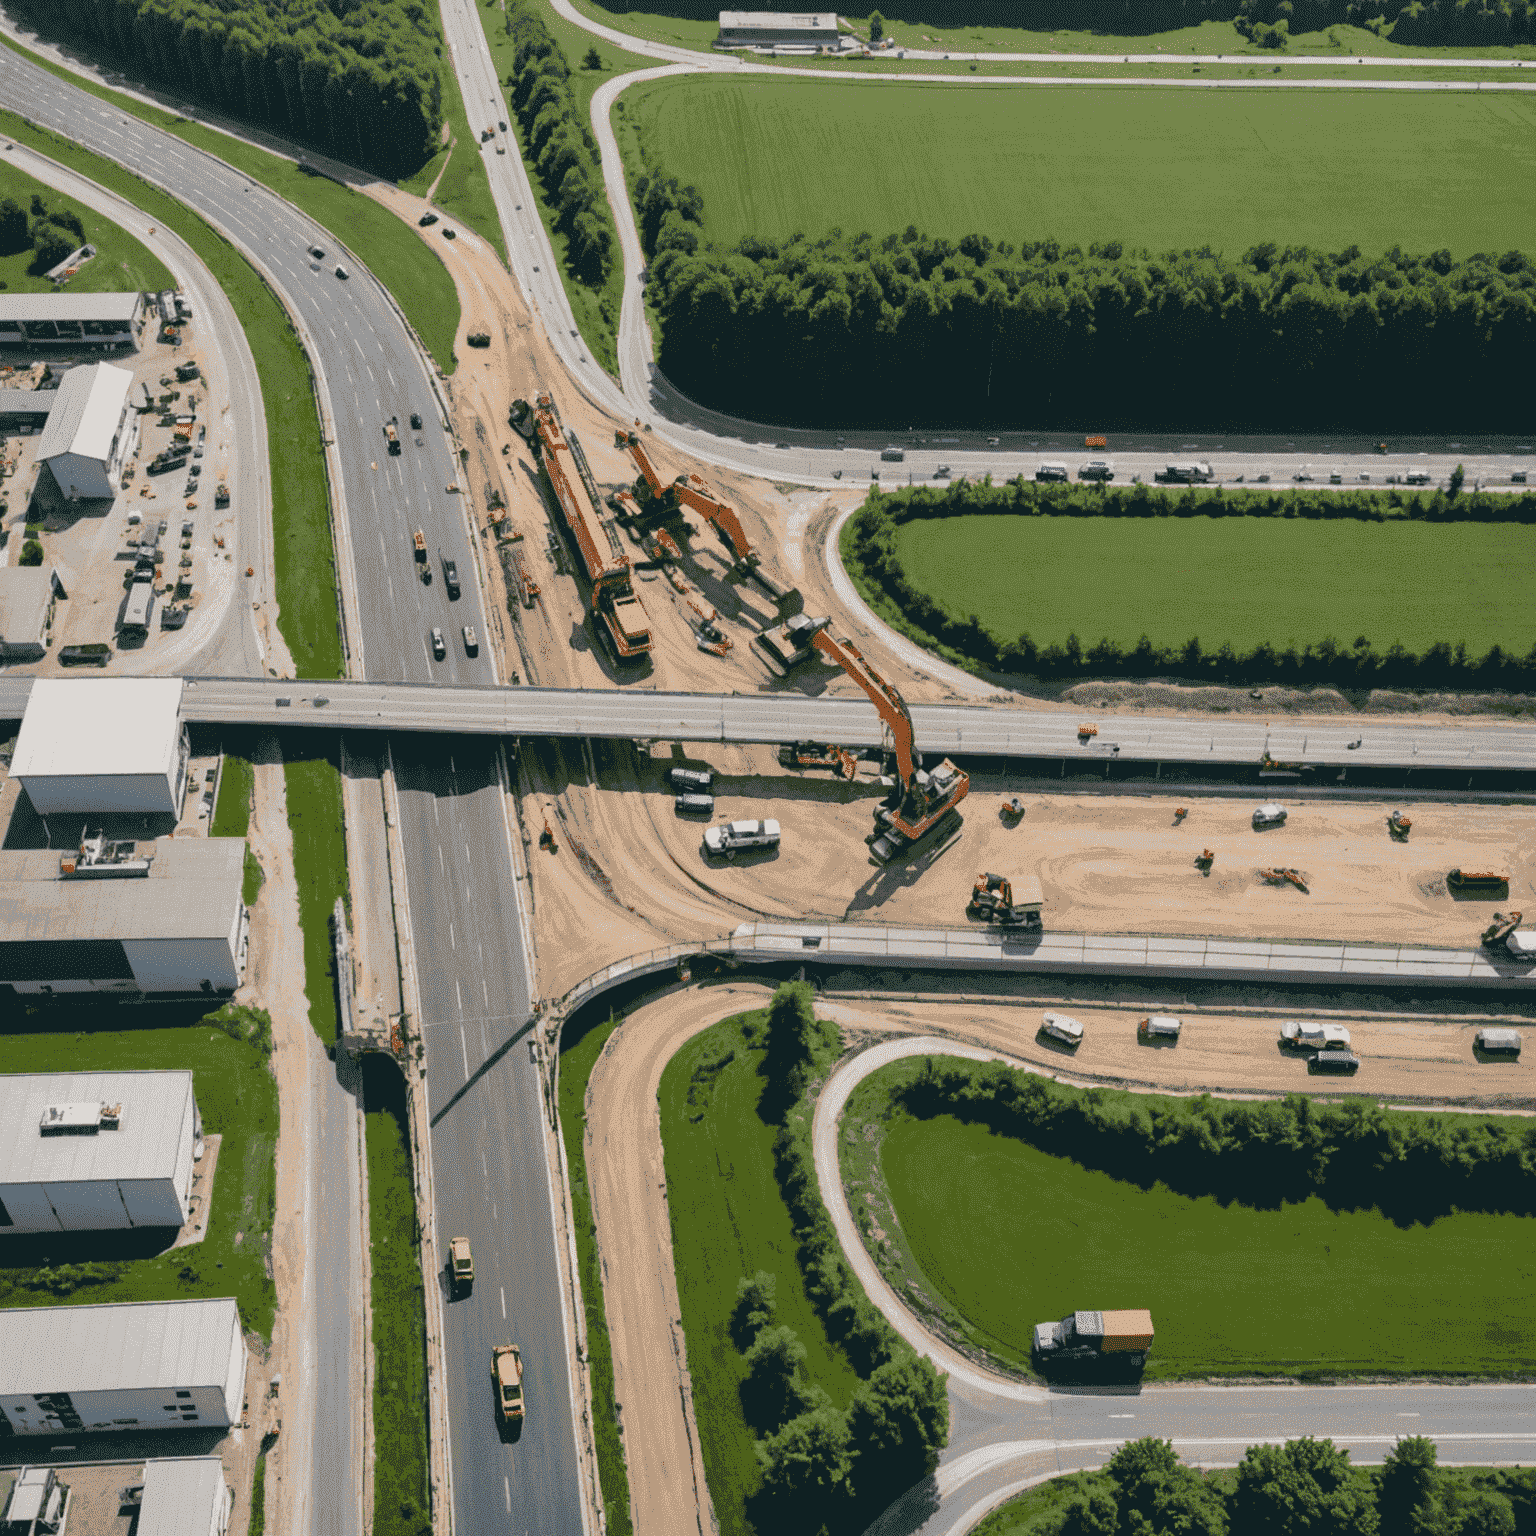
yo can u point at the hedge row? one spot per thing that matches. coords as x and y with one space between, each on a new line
870 551
1355 1155
558 144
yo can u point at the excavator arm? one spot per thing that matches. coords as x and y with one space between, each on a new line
889 704
631 441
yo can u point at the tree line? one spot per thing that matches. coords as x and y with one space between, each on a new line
558 145
49 233
872 557
1304 1487
1413 1166
824 1468
865 331
355 78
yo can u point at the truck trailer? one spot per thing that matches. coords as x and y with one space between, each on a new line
1088 1338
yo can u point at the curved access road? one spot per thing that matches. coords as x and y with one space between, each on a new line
1006 1435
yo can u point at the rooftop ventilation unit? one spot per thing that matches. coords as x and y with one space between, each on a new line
98 859
80 1119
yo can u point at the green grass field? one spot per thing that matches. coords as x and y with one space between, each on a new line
237 1096
1167 169
399 1309
1240 580
320 866
232 812
121 264
578 1056
1010 1235
729 1220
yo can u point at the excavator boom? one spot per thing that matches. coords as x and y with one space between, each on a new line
889 704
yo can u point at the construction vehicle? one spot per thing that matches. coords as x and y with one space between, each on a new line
1089 1338
1284 877
1159 1026
923 802
1270 815
819 754
790 643
221 495
737 836
1315 1037
1509 1040
1398 825
619 615
507 1380
994 900
1476 880
1086 730
1204 859
392 434
462 1262
1063 1027
419 542
695 493
1012 811
1500 928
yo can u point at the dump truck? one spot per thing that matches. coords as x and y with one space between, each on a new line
1476 880
1088 1338
790 643
392 434
997 899
618 614
507 1380
462 1262
1500 929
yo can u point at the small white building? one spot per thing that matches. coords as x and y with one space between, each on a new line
184 1497
164 918
90 433
122 1368
27 596
770 29
103 744
96 1151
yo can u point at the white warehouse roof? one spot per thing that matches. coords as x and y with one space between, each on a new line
32 307
778 21
157 1115
84 727
116 1348
87 411
181 1496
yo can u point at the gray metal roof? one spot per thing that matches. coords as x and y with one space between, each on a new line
25 592
192 891
180 1496
156 1122
779 21
27 402
117 1348
87 412
111 726
69 306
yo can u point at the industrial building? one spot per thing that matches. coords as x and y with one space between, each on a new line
27 597
25 410
185 1497
51 319
91 431
96 1151
103 744
164 918
772 29
127 1367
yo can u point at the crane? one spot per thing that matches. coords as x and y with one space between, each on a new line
694 492
922 800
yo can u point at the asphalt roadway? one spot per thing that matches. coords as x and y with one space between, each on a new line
368 371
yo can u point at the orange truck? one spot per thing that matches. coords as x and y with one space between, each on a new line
1087 1338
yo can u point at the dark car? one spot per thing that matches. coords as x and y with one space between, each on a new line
697 779
416 421
317 253
427 219
451 577
450 234
694 805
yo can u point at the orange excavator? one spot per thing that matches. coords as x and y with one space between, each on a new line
652 498
923 802
620 617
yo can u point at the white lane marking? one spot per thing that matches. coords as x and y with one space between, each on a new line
483 1169
1122 1415
464 1048
466 853
434 813
503 1303
453 943
486 990
506 1488
458 993
442 863
1406 1415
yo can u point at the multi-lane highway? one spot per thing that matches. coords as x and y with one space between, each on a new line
453 824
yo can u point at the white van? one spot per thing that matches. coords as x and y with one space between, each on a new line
1063 1027
1270 815
1314 1037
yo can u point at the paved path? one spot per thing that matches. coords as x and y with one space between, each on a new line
1006 1435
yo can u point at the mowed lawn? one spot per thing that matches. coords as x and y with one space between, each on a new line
1162 168
1011 1236
1240 580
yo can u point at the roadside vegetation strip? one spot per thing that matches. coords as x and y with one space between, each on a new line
548 77
232 811
228 1052
320 867
305 578
1164 169
32 242
921 560
578 1056
398 1310
392 252
976 1171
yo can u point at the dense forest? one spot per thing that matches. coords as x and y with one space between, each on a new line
558 145
871 556
357 79
846 332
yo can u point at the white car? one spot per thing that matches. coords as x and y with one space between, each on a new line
735 835
1063 1027
1270 815
1316 1037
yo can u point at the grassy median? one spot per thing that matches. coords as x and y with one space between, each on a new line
315 820
228 1054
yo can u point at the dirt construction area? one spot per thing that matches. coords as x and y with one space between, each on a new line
1107 863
